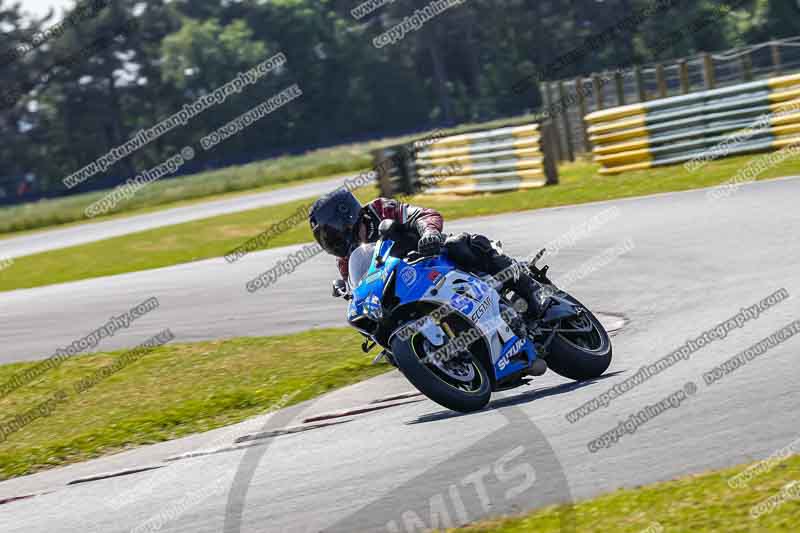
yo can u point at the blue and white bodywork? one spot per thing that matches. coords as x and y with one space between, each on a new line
435 280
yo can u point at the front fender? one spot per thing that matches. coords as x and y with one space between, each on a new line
559 309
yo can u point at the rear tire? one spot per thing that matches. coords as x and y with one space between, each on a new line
428 382
581 356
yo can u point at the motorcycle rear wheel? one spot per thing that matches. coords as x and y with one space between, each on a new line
581 356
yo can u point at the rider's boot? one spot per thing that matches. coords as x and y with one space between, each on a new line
529 291
516 277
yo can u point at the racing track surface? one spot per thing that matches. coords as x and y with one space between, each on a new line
53 239
694 264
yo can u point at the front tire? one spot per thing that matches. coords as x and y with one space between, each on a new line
435 385
581 356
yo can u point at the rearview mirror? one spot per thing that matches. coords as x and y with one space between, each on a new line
340 289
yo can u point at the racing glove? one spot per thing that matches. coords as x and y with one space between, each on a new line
339 288
430 243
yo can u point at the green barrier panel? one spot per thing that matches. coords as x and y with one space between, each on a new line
517 153
529 130
745 118
688 99
744 148
498 144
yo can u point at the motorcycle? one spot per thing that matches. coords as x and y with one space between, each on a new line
455 335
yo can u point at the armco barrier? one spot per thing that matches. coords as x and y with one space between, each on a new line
504 159
760 116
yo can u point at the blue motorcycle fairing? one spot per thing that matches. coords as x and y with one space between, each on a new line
415 282
368 296
505 367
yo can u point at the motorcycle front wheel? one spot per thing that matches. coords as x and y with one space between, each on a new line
461 385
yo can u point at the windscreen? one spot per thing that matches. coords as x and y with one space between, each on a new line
359 263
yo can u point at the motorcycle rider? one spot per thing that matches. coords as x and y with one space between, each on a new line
340 224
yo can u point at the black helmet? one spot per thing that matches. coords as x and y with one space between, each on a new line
333 221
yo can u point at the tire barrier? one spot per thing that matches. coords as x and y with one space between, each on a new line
504 159
759 116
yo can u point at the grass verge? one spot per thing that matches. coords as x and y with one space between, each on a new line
270 173
700 503
157 398
143 210
265 175
213 237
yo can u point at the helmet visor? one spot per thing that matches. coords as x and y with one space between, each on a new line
335 241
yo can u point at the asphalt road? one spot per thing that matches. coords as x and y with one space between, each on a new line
53 239
672 234
692 265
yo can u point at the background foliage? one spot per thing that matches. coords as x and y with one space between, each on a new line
459 67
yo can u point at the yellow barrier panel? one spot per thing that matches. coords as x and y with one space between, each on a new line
744 118
503 159
467 138
616 113
784 81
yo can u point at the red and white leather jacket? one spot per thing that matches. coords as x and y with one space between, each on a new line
419 218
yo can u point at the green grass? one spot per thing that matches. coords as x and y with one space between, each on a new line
580 183
700 503
201 239
213 237
60 205
173 391
262 175
181 389
162 194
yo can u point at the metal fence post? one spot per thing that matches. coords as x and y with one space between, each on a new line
406 168
683 69
549 142
708 71
562 94
776 57
640 84
620 84
598 92
380 158
550 106
579 90
661 80
747 67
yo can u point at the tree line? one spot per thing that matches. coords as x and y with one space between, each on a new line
73 87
